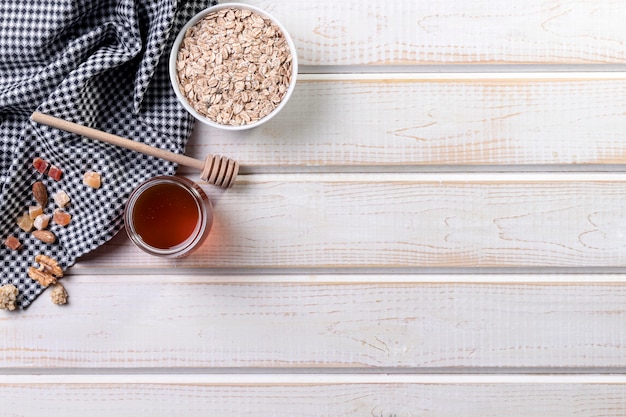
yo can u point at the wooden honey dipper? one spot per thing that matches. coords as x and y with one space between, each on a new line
215 169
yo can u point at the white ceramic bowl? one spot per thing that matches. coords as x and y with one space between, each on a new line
174 58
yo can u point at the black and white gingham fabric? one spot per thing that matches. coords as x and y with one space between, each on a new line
101 63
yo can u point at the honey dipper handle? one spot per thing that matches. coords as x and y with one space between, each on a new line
91 133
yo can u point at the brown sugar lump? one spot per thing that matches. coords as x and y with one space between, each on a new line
41 221
12 242
25 223
61 198
34 211
92 179
61 217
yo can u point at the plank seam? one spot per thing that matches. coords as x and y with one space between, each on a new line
313 379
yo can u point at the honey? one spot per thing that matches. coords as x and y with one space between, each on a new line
168 216
165 215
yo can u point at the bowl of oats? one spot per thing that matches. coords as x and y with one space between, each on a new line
233 66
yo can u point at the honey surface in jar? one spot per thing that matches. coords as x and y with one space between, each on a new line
165 215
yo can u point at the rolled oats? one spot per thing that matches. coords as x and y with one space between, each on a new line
234 66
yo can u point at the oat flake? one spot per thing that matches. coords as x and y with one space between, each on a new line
234 66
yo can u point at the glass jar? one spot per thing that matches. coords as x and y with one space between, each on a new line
168 216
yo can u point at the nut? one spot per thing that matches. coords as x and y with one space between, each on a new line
49 264
58 294
8 297
48 271
40 193
45 236
42 277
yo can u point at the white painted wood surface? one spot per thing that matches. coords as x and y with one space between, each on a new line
450 32
312 396
434 220
433 226
444 122
189 323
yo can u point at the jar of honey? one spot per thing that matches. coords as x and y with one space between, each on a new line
168 216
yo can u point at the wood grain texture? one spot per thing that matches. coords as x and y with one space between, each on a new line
379 400
329 284
361 121
403 221
150 323
405 32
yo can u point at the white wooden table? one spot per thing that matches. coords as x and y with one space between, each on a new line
434 225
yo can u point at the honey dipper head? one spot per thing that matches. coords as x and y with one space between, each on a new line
220 170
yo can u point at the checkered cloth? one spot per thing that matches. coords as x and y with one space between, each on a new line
101 63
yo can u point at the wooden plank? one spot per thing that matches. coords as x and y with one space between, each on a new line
348 221
405 32
420 121
187 325
313 399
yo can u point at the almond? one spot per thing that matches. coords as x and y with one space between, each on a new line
45 236
40 193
